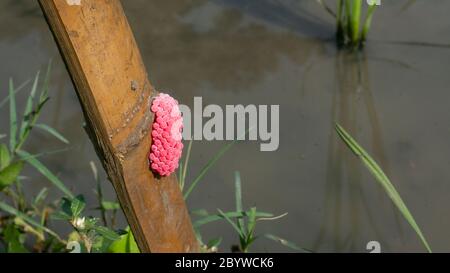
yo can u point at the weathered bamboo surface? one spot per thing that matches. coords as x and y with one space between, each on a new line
111 81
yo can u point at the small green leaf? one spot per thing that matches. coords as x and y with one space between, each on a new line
100 245
77 205
4 156
107 233
91 222
125 244
14 240
60 215
251 221
108 205
66 206
214 242
9 174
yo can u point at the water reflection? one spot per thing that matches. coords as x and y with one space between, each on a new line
275 52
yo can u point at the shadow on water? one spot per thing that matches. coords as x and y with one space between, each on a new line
288 15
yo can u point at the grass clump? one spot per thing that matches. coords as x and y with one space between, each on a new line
352 26
25 221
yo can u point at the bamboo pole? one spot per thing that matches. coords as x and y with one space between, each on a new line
106 68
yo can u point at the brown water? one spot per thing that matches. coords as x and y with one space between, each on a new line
392 98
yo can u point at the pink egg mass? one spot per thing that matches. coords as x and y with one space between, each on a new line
166 135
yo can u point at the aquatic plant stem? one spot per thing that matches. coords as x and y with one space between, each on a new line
355 18
367 23
351 26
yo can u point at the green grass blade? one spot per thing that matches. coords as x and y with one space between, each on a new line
9 174
381 177
238 198
286 243
53 132
110 205
180 175
44 171
206 168
29 107
251 221
12 116
228 219
33 118
57 151
44 93
200 212
368 22
232 214
185 166
211 163
40 197
348 13
355 20
198 235
5 157
5 100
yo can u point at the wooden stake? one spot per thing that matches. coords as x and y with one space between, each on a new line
106 68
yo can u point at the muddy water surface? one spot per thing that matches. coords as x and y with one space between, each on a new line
392 98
